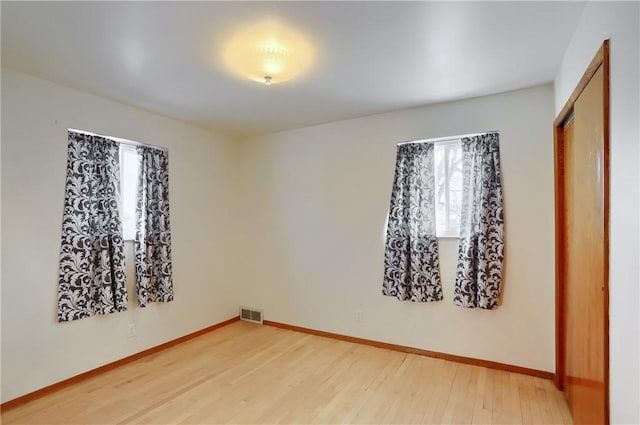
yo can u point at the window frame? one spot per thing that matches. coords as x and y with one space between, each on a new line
448 232
128 233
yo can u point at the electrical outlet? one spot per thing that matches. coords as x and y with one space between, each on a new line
131 330
359 315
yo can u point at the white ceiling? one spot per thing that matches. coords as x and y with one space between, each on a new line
371 57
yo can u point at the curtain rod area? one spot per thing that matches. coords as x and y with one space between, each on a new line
448 138
119 140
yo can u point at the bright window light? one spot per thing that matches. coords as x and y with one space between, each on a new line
448 196
129 169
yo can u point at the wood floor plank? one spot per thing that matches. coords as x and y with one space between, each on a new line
246 373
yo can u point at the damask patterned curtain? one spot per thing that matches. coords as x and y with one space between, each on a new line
481 246
154 281
92 270
411 264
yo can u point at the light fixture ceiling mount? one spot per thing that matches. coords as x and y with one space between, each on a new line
268 52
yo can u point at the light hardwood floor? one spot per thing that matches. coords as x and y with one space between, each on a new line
246 373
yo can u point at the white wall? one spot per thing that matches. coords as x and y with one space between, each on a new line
619 22
315 202
38 351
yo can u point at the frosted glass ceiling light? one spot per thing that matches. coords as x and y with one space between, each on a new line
268 53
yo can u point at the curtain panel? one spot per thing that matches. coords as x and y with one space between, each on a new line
481 245
92 269
154 280
411 263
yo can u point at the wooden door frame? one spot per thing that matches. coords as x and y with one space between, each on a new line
601 59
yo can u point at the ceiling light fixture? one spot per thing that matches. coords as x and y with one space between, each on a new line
268 53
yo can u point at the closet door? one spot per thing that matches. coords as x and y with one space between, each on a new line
582 172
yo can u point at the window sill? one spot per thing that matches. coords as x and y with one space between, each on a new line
447 233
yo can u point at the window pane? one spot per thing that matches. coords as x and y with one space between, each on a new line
448 180
455 186
129 186
441 187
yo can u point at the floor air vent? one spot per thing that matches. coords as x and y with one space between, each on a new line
251 315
